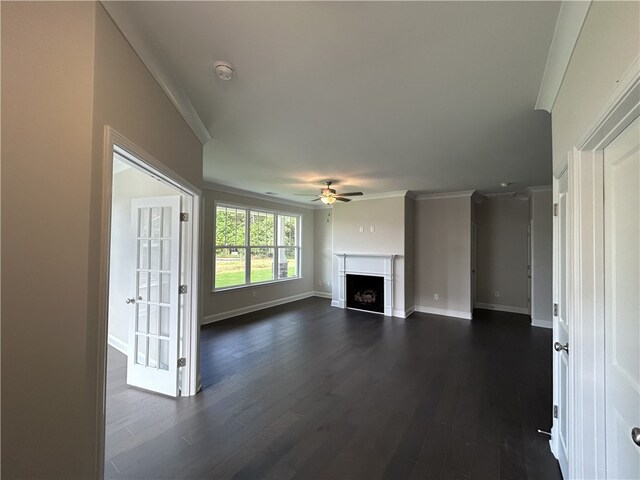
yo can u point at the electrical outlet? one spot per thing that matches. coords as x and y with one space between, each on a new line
372 228
435 296
497 293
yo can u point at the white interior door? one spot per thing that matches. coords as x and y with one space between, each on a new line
622 305
561 329
153 327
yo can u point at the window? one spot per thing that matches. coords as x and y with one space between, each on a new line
255 246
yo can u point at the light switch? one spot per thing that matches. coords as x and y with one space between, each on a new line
361 228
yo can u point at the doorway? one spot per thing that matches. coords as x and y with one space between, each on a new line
151 301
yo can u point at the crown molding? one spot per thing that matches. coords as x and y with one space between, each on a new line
438 196
540 188
137 34
377 196
568 26
259 196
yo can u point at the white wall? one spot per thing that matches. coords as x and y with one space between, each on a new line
502 248
225 304
409 253
387 217
606 48
323 250
127 185
443 256
541 257
66 72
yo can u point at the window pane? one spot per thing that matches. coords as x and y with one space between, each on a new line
287 262
287 230
230 267
230 226
261 264
261 226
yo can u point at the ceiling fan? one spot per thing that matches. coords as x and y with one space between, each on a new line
328 195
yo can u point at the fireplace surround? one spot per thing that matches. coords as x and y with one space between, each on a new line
379 265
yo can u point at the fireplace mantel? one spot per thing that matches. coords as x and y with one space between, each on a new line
381 265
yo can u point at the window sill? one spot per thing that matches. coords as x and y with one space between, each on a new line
251 285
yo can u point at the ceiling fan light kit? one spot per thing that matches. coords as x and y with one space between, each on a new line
328 200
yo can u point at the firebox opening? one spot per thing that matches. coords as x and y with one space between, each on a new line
365 292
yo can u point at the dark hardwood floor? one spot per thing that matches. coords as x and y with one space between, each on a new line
305 390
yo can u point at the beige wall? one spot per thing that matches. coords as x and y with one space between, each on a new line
607 46
387 216
232 302
323 250
542 256
66 71
502 226
47 88
443 255
409 252
127 185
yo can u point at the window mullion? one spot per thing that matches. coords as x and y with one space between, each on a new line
247 250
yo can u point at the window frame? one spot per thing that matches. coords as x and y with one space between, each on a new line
247 247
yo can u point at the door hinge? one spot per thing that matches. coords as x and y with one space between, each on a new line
182 362
182 289
555 411
184 217
555 309
555 209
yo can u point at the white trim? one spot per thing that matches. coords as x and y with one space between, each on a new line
438 196
568 26
536 322
409 311
138 35
321 294
619 110
260 196
586 400
444 312
121 346
216 317
503 308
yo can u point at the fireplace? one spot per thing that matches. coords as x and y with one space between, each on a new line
368 265
365 292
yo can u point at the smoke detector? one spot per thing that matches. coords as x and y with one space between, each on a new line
224 70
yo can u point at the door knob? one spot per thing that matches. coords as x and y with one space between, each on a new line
130 300
558 347
635 435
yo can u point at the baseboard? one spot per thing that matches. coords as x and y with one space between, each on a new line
409 311
216 317
321 294
536 322
503 308
118 344
443 311
335 303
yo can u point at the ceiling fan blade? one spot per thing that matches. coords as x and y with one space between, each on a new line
315 199
342 199
305 194
350 194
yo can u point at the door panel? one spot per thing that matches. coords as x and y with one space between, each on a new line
561 329
622 304
153 328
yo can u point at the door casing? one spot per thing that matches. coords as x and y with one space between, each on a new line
585 163
190 259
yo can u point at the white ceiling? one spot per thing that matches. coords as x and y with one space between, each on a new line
382 96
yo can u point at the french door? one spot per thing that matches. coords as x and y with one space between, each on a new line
560 441
154 300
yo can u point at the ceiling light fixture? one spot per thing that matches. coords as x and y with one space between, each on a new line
328 200
224 70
